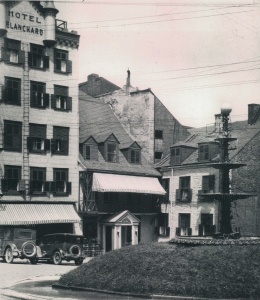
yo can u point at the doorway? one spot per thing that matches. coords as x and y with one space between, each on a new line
108 238
206 224
126 235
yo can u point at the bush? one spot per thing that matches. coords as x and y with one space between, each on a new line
230 271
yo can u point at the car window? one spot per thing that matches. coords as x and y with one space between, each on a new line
24 235
8 234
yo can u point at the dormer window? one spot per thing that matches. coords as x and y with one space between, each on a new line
135 156
89 149
175 156
207 151
112 150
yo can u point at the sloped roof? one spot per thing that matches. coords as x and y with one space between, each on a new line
240 130
99 121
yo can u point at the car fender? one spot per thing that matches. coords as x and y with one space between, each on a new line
39 251
16 252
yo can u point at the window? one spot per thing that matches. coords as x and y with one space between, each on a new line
13 136
37 141
184 192
60 100
61 184
12 53
175 156
37 59
158 155
61 62
60 142
208 184
135 156
87 152
39 98
37 180
112 152
12 91
158 134
203 152
11 179
166 186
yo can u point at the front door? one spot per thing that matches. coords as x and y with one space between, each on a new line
184 224
206 223
126 235
108 238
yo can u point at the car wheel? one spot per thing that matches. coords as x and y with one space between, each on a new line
34 260
29 249
78 261
56 258
9 257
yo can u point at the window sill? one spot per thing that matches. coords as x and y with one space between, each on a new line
38 68
37 151
39 107
12 103
37 193
61 72
62 109
13 63
12 193
59 153
12 149
60 194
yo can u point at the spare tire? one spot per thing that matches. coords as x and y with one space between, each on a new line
29 249
75 251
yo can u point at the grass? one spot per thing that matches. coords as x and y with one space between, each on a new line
230 271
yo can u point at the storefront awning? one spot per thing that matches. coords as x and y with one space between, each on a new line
126 184
29 214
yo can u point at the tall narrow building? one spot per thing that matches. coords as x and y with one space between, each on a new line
39 118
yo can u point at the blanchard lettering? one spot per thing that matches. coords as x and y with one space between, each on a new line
24 28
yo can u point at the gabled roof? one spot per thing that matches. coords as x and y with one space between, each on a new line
97 120
243 132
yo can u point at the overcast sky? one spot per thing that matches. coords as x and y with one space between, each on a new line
194 55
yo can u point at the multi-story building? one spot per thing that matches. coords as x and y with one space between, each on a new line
141 113
39 118
120 191
191 177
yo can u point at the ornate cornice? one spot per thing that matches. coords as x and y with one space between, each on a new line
65 38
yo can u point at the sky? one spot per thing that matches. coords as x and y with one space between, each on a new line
196 56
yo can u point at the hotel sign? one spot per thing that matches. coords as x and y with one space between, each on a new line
24 22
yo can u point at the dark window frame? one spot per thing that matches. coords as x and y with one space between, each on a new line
158 134
12 94
62 64
176 155
12 177
39 98
13 46
37 180
37 142
135 156
156 156
112 154
12 136
61 184
204 152
60 141
37 58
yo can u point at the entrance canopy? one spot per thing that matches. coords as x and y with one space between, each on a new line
34 213
126 184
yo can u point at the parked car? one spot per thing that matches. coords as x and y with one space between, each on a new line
62 246
16 242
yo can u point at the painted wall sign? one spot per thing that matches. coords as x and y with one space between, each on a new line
18 19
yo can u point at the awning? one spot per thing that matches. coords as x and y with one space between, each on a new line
28 214
126 184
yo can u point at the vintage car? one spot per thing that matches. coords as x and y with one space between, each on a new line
62 246
16 242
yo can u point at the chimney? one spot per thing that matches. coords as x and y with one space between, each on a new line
128 84
253 113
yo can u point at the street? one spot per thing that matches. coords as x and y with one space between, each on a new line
22 269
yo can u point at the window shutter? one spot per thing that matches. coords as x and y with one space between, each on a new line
212 182
33 99
69 66
205 183
29 143
178 194
53 145
21 57
30 58
69 103
178 231
63 146
4 55
68 187
46 63
47 145
53 101
47 186
46 101
168 231
53 187
4 185
81 149
189 231
189 191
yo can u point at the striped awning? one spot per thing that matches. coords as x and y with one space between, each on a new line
126 184
29 214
